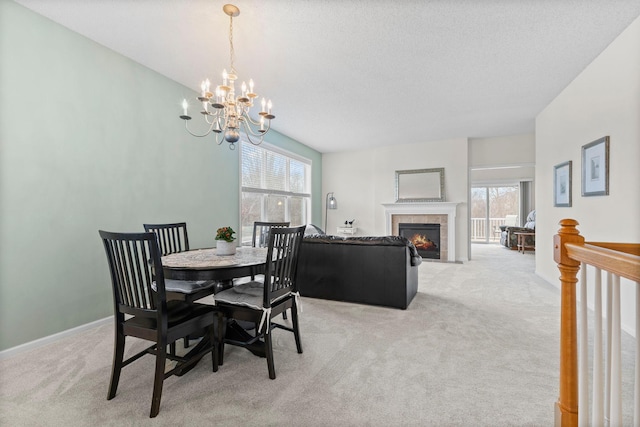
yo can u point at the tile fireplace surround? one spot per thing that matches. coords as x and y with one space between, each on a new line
443 213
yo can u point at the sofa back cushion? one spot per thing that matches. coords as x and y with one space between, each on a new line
416 259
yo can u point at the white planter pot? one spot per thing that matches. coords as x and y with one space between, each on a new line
225 248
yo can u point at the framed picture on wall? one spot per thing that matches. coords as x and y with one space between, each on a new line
595 168
562 185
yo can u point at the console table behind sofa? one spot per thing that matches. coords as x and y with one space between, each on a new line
367 270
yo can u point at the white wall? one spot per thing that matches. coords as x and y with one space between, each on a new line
349 176
363 180
503 150
603 100
489 157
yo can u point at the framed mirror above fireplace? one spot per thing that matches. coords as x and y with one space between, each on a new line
420 185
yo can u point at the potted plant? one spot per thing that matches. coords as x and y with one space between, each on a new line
224 241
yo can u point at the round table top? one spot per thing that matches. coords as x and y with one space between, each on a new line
207 259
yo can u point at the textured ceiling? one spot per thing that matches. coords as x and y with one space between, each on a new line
354 74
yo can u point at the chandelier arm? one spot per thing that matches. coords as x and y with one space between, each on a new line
268 127
248 133
221 136
222 122
216 117
253 122
249 129
186 126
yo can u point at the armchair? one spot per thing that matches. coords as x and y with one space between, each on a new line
510 240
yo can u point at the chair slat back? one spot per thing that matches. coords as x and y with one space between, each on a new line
260 238
131 258
283 250
172 238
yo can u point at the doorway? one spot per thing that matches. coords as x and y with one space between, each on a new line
491 207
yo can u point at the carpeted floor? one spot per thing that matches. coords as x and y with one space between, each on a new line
478 346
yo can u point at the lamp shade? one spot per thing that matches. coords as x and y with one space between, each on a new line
332 203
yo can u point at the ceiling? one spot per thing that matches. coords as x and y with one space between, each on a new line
356 74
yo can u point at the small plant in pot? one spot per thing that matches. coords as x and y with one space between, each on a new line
225 241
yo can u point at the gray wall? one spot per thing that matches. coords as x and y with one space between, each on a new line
91 140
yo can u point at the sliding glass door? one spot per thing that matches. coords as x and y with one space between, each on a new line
491 207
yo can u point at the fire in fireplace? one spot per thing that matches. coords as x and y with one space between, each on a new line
425 237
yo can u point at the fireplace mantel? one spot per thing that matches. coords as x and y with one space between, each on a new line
428 208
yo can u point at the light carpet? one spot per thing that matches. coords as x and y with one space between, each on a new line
477 346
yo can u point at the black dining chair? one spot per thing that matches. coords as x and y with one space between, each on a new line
260 237
173 238
260 301
141 310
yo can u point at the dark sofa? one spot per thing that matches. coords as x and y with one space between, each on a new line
368 270
508 237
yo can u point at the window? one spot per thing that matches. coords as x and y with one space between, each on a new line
275 186
489 209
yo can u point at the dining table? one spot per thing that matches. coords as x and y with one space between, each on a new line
206 264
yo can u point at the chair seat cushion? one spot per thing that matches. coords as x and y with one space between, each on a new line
185 286
177 312
248 294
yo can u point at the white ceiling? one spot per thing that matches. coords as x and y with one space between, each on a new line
355 74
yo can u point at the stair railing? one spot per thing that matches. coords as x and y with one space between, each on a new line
573 254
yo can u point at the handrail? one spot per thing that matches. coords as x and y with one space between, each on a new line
622 261
570 250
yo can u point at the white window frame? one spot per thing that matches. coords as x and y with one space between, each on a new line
287 194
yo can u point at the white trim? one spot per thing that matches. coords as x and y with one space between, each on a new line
500 183
501 166
280 150
446 208
41 342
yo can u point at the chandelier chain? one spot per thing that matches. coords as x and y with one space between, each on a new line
232 52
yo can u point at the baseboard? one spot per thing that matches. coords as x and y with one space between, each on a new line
14 351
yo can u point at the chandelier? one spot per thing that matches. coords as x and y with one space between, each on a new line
224 111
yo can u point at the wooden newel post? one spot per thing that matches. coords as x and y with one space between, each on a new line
566 409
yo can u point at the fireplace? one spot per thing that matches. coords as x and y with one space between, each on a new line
443 213
425 237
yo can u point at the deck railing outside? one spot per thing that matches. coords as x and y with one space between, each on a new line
479 229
